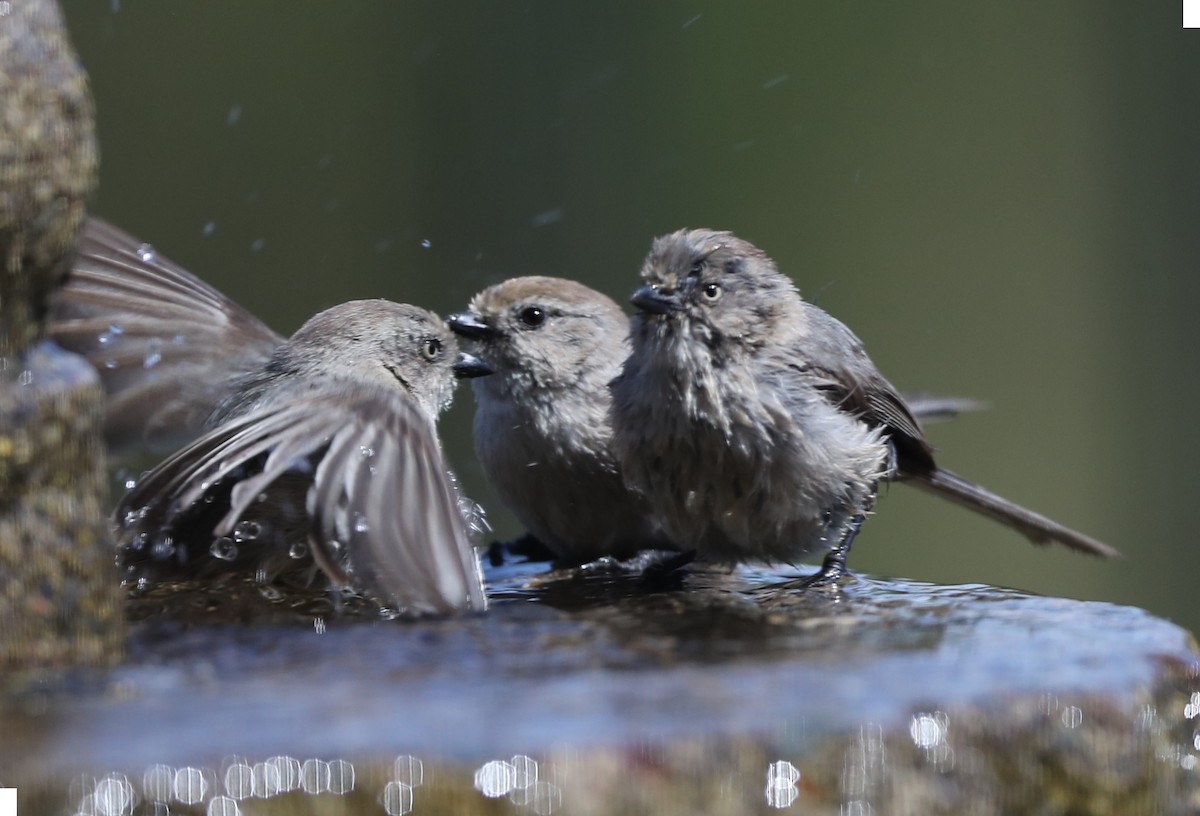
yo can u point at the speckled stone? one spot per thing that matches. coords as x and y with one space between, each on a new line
60 601
59 594
48 161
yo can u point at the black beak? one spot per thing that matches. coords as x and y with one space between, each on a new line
649 299
468 366
468 325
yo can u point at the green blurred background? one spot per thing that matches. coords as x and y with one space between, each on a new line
998 197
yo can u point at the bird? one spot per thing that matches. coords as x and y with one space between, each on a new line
754 422
308 460
542 428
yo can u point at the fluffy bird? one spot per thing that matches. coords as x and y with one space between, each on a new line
756 425
542 431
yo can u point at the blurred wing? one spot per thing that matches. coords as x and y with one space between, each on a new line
383 513
166 344
839 366
382 489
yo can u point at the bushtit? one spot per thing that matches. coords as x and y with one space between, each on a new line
318 453
542 429
541 419
755 423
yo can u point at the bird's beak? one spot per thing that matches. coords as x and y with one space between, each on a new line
468 366
468 325
649 299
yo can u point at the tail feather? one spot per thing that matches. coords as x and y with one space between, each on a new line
1034 526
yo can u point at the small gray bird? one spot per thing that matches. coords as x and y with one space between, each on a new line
317 455
542 432
542 428
756 425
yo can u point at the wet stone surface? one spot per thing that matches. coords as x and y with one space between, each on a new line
586 692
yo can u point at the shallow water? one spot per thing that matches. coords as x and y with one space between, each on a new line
586 660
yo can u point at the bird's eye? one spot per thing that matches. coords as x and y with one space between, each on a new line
712 292
432 348
532 316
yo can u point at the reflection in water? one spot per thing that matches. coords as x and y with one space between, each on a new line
782 777
518 779
929 732
235 781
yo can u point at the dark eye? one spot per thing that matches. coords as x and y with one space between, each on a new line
431 349
532 316
712 291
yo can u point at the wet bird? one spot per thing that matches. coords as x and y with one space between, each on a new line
317 459
542 429
755 424
541 418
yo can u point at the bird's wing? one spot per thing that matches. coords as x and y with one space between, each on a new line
837 364
383 513
165 343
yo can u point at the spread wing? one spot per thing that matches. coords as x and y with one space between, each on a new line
165 343
834 357
382 513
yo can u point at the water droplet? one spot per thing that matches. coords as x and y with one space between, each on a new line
341 777
224 548
267 779
190 786
152 359
25 377
426 243
138 542
366 451
163 548
257 245
110 364
409 770
235 114
111 333
247 530
209 229
397 799
113 796
223 806
360 523
287 768
156 782
146 253
544 219
239 780
314 776
298 550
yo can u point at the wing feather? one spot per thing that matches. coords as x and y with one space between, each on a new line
165 343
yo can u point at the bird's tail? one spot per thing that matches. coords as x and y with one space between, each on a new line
1034 526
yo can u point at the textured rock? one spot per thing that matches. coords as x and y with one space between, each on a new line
48 163
59 594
